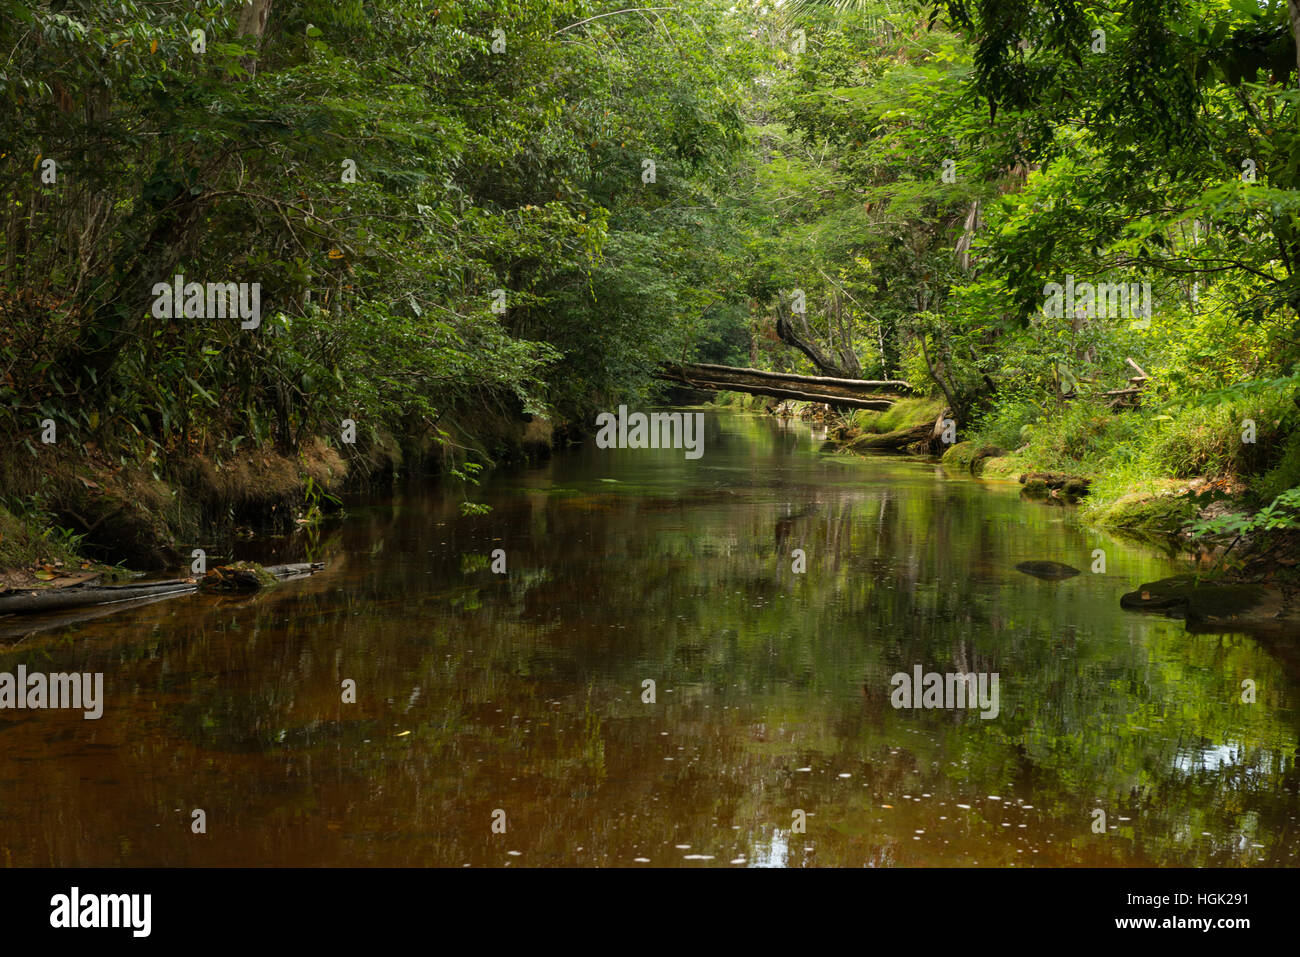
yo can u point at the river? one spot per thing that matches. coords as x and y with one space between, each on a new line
503 720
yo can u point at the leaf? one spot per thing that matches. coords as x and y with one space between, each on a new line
153 47
45 576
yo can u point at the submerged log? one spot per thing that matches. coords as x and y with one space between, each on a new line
29 601
75 596
18 627
249 576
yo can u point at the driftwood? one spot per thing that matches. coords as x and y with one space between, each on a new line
29 601
1128 396
250 577
875 394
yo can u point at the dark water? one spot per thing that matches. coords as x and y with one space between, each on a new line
522 693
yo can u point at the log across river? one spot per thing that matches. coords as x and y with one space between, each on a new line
878 394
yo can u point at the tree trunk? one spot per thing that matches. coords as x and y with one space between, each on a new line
802 339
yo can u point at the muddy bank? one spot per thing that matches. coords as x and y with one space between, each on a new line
92 511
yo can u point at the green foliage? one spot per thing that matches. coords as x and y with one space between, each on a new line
1281 514
474 171
918 172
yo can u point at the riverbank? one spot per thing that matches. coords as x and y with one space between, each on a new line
1241 572
81 514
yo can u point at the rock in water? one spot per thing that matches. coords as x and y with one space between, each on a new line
1048 571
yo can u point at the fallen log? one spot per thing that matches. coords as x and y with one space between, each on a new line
877 394
880 385
76 596
899 440
28 602
877 403
249 576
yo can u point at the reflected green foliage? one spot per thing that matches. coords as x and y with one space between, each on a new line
524 691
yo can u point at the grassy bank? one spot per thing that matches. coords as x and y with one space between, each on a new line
1213 476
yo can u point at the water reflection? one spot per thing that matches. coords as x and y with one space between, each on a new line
523 693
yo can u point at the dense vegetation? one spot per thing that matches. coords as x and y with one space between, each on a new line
1153 143
463 214
449 213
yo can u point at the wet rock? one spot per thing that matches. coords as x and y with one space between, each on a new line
1074 489
1035 488
1213 606
1056 480
1047 571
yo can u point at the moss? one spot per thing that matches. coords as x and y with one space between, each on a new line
1159 513
239 576
983 455
1003 467
975 458
903 414
1074 489
959 457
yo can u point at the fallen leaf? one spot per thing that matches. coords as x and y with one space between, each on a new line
45 576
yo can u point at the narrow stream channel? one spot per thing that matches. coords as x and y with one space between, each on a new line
772 739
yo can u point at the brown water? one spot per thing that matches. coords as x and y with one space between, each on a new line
479 692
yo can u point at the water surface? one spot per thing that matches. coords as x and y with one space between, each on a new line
522 693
